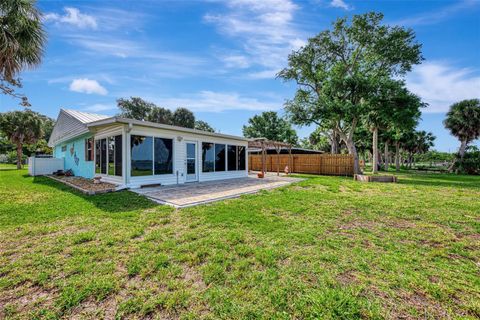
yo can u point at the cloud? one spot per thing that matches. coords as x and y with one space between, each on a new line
263 29
236 61
210 101
441 85
74 17
340 4
87 86
436 16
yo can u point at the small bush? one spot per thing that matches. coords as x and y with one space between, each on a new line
470 164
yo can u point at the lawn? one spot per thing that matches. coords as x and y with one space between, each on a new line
327 247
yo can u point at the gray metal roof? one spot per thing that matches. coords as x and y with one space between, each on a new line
85 117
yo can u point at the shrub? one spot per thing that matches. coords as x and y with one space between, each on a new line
470 164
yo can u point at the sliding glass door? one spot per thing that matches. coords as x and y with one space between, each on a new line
109 156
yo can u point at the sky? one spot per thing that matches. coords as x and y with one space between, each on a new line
219 58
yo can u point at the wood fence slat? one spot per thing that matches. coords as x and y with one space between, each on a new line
326 164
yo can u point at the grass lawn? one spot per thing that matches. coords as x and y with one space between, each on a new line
327 247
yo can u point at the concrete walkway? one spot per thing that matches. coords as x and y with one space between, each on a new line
191 194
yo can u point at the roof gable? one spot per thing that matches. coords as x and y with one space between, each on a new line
71 123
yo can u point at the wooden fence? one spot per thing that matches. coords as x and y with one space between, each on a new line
326 164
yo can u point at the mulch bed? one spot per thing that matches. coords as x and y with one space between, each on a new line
85 185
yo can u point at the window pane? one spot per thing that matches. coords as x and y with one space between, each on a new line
142 155
163 156
208 157
97 156
232 158
111 156
103 156
241 158
118 155
219 157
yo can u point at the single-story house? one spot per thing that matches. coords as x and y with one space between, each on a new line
132 153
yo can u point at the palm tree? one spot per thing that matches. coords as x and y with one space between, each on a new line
21 127
463 121
22 40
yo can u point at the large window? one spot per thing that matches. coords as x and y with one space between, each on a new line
220 157
241 157
142 155
208 157
232 158
108 156
118 155
163 156
97 157
111 156
151 155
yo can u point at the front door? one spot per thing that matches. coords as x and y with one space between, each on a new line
191 161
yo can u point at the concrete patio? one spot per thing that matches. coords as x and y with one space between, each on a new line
191 194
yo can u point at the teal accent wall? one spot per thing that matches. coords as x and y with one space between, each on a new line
74 157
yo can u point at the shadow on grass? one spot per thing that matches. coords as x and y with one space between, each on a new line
113 202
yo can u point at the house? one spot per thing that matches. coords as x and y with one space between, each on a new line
133 153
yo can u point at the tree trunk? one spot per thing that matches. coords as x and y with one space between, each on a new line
19 155
334 143
353 151
461 154
375 151
386 156
397 156
462 149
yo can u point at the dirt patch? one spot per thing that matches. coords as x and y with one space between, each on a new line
347 278
21 298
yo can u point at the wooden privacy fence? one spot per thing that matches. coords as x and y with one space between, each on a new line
327 164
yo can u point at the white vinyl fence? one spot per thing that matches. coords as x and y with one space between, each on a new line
42 166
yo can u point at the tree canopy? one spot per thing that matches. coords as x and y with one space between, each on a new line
139 109
463 121
22 41
269 125
21 127
340 71
204 126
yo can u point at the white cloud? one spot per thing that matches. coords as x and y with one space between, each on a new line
210 101
87 86
236 61
264 30
340 4
441 85
74 17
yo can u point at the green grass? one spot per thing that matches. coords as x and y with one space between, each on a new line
327 247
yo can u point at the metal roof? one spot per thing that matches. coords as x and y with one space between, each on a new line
85 117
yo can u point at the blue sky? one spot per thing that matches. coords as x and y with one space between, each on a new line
219 58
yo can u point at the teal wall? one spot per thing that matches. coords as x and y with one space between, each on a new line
74 157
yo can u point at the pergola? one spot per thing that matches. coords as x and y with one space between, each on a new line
264 144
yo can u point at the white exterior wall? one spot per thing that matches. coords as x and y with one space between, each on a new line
43 166
179 156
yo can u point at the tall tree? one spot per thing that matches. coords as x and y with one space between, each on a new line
21 127
22 39
463 121
183 117
269 125
160 115
135 108
204 126
339 69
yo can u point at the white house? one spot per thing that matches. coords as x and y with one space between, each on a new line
132 153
